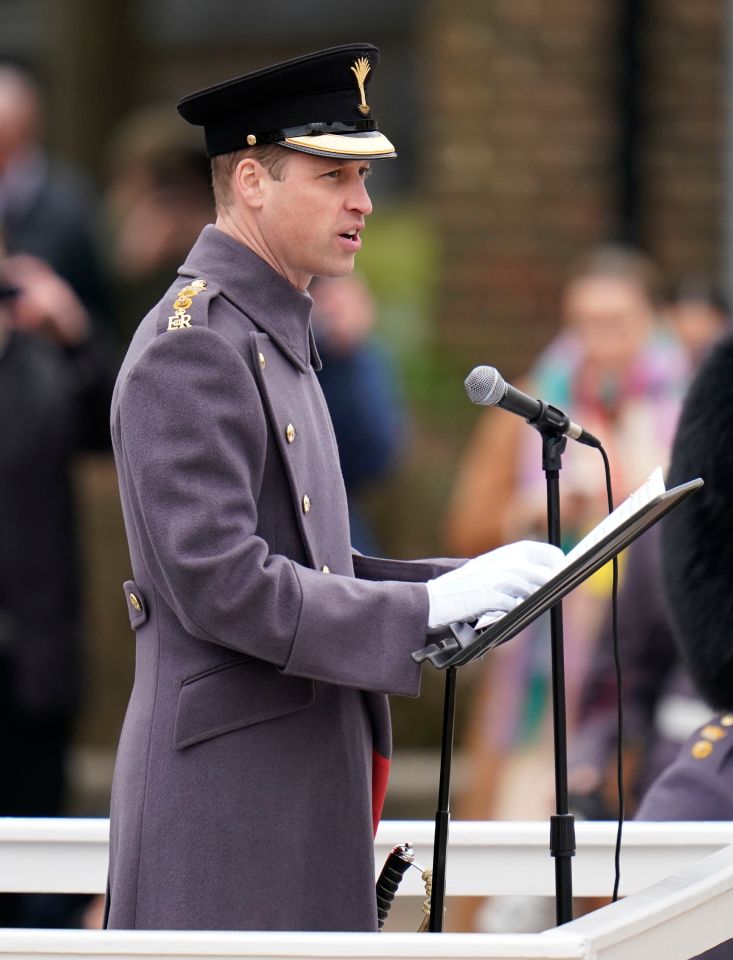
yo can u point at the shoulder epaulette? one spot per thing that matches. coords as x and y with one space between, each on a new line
185 298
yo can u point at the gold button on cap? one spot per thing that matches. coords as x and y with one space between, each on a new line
262 360
701 749
306 503
251 139
134 602
325 568
290 433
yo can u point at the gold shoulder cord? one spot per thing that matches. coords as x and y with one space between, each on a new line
180 318
427 878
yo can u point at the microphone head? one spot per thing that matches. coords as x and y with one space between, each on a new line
485 386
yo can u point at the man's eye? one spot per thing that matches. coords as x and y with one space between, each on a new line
365 172
334 174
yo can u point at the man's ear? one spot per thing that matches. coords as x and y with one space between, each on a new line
248 181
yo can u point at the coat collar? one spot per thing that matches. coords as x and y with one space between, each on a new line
260 292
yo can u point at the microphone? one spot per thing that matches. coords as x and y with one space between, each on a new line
486 387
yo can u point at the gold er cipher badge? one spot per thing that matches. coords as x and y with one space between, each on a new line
180 318
360 69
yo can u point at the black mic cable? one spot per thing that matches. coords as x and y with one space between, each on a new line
620 792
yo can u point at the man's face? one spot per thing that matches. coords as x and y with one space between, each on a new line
312 218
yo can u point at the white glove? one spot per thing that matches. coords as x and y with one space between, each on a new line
495 581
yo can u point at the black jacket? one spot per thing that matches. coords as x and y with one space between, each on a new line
697 537
52 403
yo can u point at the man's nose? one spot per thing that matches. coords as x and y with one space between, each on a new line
359 199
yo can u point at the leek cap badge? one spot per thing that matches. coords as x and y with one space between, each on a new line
360 69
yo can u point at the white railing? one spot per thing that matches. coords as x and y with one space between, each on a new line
485 858
674 918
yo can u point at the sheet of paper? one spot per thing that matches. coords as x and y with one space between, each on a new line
651 488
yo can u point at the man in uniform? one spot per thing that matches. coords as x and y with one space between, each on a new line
697 551
254 754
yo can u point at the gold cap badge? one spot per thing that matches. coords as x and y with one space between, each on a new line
360 69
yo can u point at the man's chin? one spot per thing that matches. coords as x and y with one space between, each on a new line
335 270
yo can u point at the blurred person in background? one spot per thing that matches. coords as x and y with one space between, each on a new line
616 369
157 201
359 385
699 315
661 705
46 207
55 387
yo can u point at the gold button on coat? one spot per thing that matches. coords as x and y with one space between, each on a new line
325 568
702 749
712 732
290 433
306 503
134 602
262 360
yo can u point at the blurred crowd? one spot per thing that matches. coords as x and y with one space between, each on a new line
78 272
620 365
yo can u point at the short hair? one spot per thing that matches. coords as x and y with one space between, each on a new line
698 289
271 155
622 263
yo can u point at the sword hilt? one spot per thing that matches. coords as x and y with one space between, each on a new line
397 863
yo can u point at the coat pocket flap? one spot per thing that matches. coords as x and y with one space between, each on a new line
236 694
137 608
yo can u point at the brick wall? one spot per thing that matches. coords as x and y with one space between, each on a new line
521 150
684 110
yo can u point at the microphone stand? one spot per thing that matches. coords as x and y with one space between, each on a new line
562 824
552 425
442 814
467 645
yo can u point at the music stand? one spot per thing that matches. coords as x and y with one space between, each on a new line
466 644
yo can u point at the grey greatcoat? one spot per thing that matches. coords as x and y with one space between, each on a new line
253 757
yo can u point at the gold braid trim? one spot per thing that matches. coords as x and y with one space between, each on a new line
427 876
180 318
